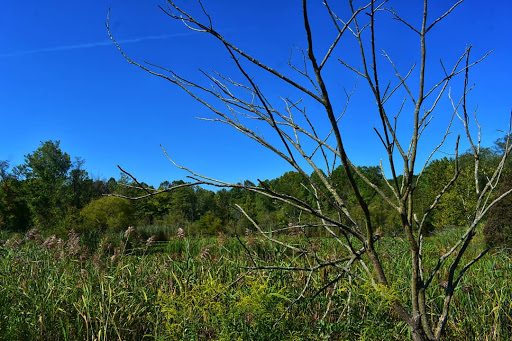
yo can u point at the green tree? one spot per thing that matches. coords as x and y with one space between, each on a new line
205 201
45 172
4 170
435 177
222 206
183 202
81 188
290 183
14 211
209 224
110 213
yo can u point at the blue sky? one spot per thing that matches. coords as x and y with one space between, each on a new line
62 79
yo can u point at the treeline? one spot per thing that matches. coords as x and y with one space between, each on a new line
51 192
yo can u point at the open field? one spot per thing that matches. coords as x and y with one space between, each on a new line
195 289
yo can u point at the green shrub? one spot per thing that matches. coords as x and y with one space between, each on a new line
107 213
212 310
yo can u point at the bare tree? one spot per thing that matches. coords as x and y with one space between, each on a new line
310 150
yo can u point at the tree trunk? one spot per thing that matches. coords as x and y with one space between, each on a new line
417 332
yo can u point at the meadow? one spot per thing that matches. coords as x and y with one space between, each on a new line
155 283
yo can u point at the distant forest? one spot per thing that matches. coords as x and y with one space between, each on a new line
54 194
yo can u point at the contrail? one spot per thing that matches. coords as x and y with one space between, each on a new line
91 45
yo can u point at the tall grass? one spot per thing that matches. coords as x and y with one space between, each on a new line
194 289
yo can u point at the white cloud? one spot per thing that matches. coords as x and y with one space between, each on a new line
91 45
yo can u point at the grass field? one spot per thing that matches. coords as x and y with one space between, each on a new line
124 288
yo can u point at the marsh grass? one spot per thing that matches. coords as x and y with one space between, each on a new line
193 289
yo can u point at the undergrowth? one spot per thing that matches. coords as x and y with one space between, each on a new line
132 287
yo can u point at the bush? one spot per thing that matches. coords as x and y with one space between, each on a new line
208 224
107 213
212 310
